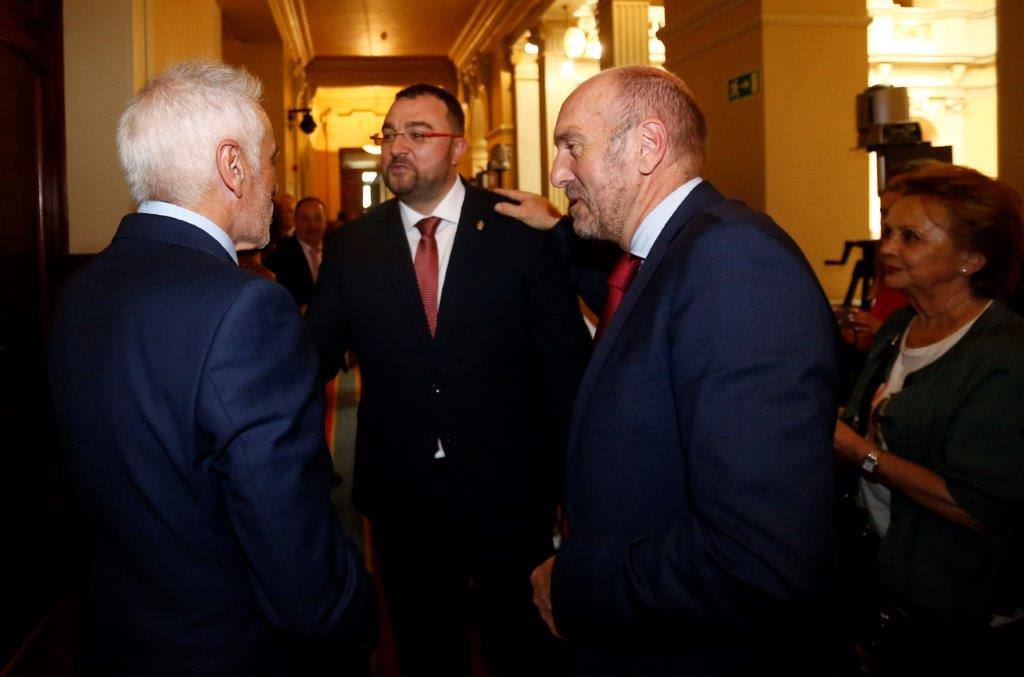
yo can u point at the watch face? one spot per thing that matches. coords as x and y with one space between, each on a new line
869 463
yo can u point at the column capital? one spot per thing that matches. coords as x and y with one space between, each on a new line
623 27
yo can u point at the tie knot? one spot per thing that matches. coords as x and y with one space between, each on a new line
428 225
624 271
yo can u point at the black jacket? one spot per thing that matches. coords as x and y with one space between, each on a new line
289 263
495 386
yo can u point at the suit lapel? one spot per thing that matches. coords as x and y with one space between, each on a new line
703 196
397 261
462 265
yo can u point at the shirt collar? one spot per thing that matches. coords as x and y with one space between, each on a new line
449 209
652 225
309 247
188 216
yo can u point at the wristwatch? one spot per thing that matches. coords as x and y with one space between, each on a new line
870 462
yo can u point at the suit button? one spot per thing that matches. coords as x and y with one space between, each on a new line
435 388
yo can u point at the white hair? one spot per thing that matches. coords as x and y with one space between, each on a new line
168 134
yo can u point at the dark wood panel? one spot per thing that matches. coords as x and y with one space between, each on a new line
41 546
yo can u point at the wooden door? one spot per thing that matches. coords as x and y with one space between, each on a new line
38 566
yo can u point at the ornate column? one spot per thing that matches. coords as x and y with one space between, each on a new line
556 83
623 26
526 111
474 83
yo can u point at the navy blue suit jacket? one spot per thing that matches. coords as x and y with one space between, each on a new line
699 490
289 264
187 394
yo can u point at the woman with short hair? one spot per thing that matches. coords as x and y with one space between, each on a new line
935 426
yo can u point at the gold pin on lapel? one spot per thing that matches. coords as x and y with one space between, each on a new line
480 224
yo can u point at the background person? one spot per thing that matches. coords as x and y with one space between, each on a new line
296 261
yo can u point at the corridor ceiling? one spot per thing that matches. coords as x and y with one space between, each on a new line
386 27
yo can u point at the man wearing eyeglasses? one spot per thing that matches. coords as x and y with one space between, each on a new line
471 346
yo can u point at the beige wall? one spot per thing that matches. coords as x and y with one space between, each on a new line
706 61
1010 63
981 137
787 149
180 29
110 48
816 183
98 79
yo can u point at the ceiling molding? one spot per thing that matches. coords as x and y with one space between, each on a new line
674 58
817 20
356 71
705 12
679 31
293 25
490 23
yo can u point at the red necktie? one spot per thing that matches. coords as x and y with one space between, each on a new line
425 265
619 279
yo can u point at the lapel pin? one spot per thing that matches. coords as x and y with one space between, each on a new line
480 224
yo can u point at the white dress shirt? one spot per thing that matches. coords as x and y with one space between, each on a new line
652 225
188 216
448 210
313 257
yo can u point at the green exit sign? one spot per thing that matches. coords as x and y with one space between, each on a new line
745 85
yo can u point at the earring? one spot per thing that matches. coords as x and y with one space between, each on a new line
963 271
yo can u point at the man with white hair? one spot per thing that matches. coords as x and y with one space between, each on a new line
698 480
186 392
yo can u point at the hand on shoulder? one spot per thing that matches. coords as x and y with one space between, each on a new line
533 210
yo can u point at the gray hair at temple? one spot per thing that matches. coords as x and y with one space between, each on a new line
643 92
169 132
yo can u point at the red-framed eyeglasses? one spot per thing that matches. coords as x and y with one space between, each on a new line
416 137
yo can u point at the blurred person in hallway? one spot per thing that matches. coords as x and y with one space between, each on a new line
187 397
296 261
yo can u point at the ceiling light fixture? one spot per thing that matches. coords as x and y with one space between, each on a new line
574 40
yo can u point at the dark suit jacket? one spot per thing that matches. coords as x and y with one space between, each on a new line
700 454
495 386
289 263
187 395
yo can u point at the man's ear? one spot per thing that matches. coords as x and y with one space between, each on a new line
459 148
230 166
653 145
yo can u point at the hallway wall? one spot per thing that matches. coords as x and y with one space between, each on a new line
111 48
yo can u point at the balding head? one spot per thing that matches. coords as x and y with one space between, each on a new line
626 138
636 93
